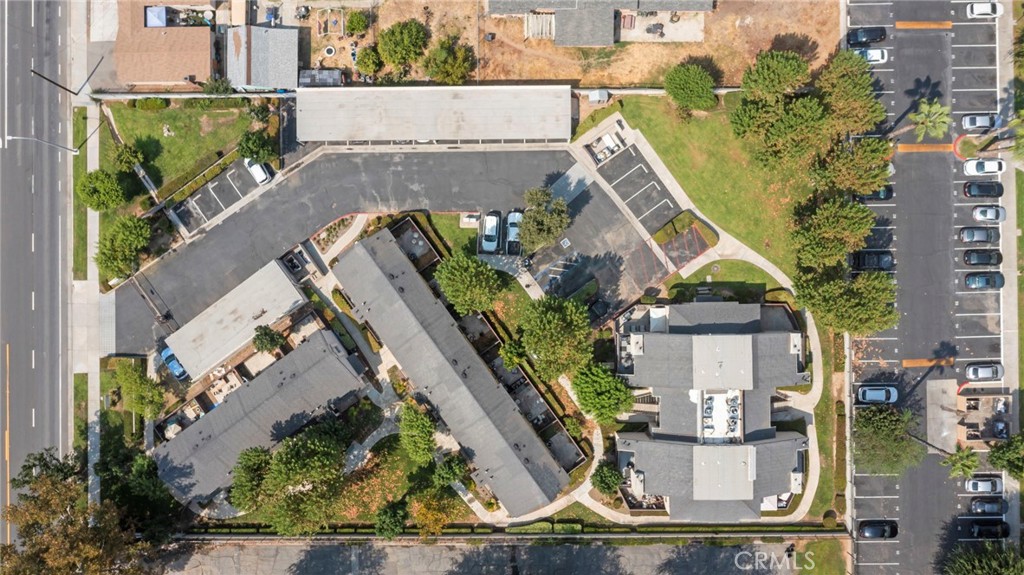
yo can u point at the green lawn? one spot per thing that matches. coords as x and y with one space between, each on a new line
825 425
81 414
80 255
447 225
197 134
744 281
579 512
826 556
718 173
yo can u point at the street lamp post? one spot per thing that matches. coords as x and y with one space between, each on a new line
74 151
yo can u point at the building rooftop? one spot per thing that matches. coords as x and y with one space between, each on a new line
197 462
492 113
585 26
263 57
388 293
230 323
160 55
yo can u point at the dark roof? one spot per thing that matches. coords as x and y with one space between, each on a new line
714 318
387 292
585 27
197 462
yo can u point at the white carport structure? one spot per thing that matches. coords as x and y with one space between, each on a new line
435 114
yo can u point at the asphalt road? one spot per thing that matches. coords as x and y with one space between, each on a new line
939 317
33 189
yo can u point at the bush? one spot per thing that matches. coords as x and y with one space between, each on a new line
217 86
572 427
118 252
390 520
151 103
468 283
416 433
450 62
259 112
606 479
357 23
601 393
829 520
215 103
403 43
100 190
453 468
256 145
691 87
368 61
267 339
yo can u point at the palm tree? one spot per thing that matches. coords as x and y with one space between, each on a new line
930 118
963 463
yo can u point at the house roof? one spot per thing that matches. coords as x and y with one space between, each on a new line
230 323
492 113
421 334
197 462
263 57
164 55
590 26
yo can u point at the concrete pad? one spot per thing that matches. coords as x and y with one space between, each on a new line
575 180
942 418
103 20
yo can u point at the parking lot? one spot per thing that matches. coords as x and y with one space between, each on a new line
643 192
219 194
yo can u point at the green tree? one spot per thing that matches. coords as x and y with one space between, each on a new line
368 61
125 157
544 220
859 168
468 283
100 191
416 433
117 254
453 468
691 87
556 335
357 22
512 353
403 43
981 559
600 393
450 62
390 520
606 479
259 111
847 91
963 463
140 393
217 86
930 119
882 442
257 146
247 478
799 134
1009 456
267 339
862 306
774 76
432 509
830 230
752 119
573 427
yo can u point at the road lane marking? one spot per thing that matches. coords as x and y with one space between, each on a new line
33 244
33 359
33 300
988 336
7 426
33 417
973 90
928 25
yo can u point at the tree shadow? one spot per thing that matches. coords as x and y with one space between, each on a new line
709 65
151 149
285 428
366 559
802 44
711 558
568 558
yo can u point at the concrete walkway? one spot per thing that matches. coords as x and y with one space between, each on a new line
358 452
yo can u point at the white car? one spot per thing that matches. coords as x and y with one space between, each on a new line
512 222
984 485
492 221
984 167
877 394
984 10
978 122
874 55
989 214
258 171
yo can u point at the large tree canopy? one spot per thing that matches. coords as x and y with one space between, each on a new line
416 433
402 43
1009 456
556 335
100 190
829 230
860 168
847 90
117 254
468 283
544 221
861 306
601 393
775 75
140 393
691 87
450 62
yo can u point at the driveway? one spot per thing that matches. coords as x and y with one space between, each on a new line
232 185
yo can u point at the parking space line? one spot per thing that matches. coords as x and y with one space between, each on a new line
974 67
883 70
876 361
875 475
232 182
877 338
876 496
630 172
195 206
973 45
979 359
987 336
993 23
656 206
979 292
214 194
973 90
881 541
979 313
655 184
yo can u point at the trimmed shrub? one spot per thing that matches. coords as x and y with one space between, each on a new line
151 104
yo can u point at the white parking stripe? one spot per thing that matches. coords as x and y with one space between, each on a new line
977 336
973 90
973 45
655 184
876 496
974 67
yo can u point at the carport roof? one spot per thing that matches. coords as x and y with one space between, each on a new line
434 113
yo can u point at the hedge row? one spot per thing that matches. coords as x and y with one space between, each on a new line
214 103
207 168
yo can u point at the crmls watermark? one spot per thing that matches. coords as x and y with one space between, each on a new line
771 561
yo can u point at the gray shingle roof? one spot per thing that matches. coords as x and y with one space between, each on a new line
714 317
263 57
196 463
585 27
387 292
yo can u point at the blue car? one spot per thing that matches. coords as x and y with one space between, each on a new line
173 364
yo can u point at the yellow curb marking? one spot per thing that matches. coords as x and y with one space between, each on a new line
906 25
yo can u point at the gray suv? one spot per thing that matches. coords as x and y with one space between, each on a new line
976 235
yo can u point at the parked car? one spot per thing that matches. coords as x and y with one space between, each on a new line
879 195
173 365
984 485
512 223
984 371
983 189
877 394
492 233
990 529
874 55
983 257
1000 429
877 529
989 506
984 10
989 214
865 36
974 235
873 261
984 280
984 167
258 171
978 121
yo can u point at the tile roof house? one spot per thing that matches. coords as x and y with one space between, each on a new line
150 50
262 58
710 370
507 455
196 464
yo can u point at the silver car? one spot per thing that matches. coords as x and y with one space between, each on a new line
978 121
989 214
877 394
984 485
988 371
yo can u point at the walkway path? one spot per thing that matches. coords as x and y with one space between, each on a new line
358 452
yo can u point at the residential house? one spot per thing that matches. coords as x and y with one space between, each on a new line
262 58
164 45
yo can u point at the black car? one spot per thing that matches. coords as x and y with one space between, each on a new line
989 529
863 36
877 529
983 189
873 261
989 506
880 195
983 257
